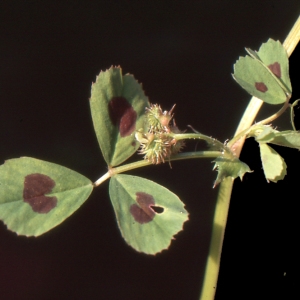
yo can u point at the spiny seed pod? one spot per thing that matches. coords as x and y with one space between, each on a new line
157 119
176 145
157 145
156 148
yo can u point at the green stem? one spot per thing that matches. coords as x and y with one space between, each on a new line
223 200
292 115
199 136
263 122
143 163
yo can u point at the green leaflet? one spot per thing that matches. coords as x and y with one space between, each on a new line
36 195
287 138
265 74
273 164
118 106
148 214
267 134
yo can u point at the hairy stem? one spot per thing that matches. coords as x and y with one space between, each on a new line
199 136
143 163
223 200
292 115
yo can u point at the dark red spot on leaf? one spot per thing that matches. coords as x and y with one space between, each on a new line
260 86
123 115
35 188
143 213
275 68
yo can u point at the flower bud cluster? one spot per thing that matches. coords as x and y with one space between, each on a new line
157 144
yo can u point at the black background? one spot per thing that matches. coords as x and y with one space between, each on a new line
182 52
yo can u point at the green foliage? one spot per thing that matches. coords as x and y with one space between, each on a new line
264 134
287 138
273 164
36 195
118 106
148 214
229 166
265 74
267 134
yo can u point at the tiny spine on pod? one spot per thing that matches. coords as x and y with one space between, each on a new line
157 144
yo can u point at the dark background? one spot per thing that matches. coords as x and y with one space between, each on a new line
182 52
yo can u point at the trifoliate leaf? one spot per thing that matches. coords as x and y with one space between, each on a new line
265 74
148 214
118 106
273 164
36 195
229 167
